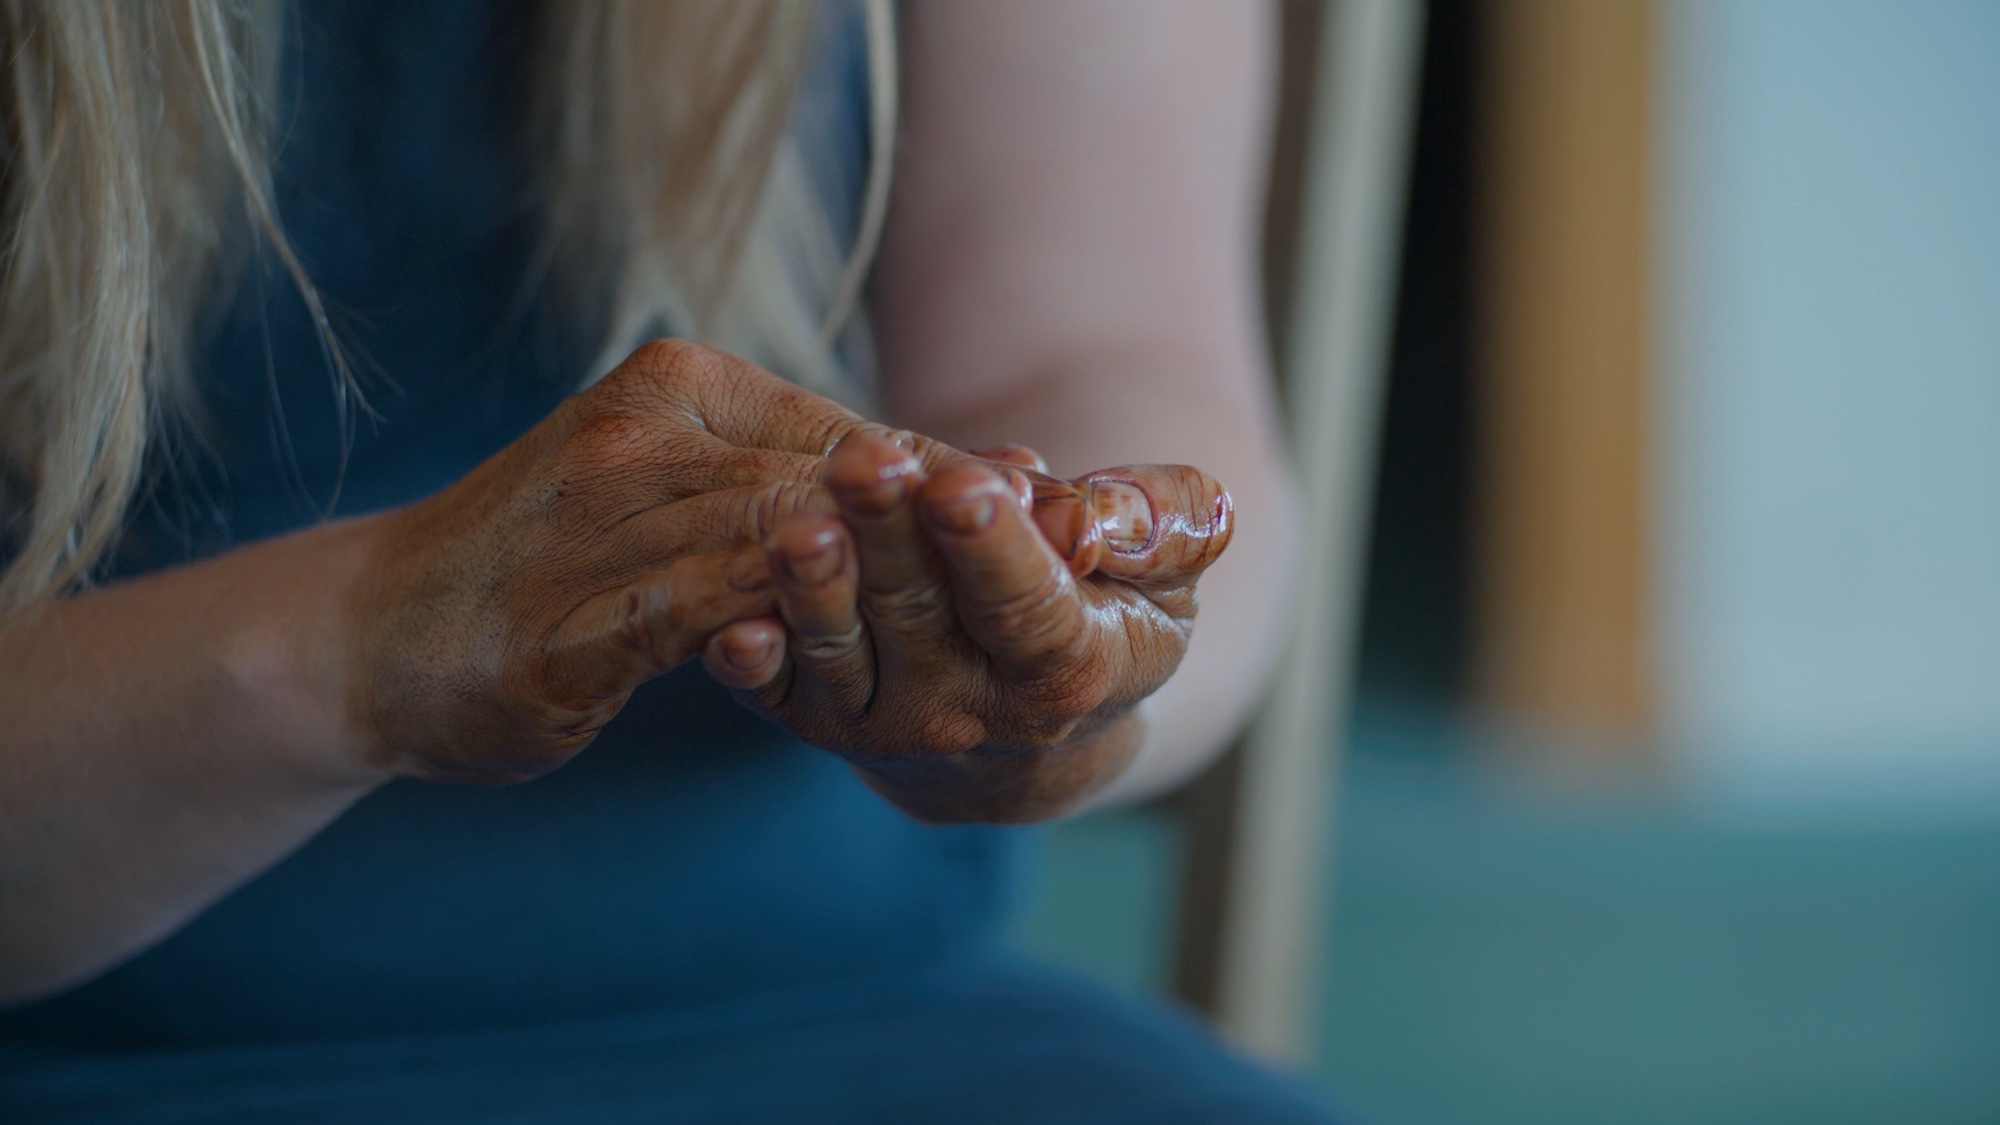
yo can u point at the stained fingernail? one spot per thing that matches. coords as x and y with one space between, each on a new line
968 514
1124 514
744 655
1063 518
819 563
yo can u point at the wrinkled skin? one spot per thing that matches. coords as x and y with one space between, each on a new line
942 644
505 620
955 658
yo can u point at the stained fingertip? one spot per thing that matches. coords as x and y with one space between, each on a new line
1165 524
870 473
964 500
810 552
1124 514
1014 595
747 654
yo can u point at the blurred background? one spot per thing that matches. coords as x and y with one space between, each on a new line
1670 788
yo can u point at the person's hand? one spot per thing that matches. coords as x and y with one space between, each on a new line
939 643
502 622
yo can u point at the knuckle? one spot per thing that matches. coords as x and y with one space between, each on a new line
648 615
665 372
645 375
944 731
931 453
1041 736
608 441
668 360
764 506
837 429
1070 690
1038 621
905 608
1072 697
827 648
757 466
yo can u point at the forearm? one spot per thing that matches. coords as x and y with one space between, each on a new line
166 740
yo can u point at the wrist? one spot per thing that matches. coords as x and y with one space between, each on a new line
289 665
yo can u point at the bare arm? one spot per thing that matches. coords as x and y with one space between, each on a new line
166 739
1070 264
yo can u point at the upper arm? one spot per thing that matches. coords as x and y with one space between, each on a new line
1072 176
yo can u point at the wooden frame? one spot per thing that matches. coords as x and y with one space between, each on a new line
1254 890
1563 644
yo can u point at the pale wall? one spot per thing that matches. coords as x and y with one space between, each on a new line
1831 391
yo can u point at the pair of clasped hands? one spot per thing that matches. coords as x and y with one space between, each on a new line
969 633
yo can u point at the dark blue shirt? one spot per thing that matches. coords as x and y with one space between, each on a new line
693 851
697 920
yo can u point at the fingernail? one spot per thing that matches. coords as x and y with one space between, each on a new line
1124 514
748 573
745 657
1063 519
822 562
969 514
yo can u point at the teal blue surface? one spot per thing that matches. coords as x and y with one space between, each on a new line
1502 952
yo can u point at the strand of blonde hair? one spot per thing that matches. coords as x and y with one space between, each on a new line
138 159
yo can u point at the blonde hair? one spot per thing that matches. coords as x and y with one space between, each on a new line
137 153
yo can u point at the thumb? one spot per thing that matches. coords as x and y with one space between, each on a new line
1162 525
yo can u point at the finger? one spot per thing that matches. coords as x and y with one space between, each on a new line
1014 593
632 446
747 655
675 406
811 558
1015 454
710 522
1062 512
930 453
624 637
1019 466
679 466
718 466
1162 525
745 405
901 585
